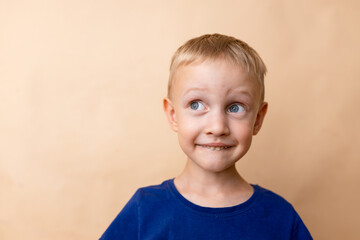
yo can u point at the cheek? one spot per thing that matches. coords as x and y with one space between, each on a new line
187 136
188 129
188 124
242 130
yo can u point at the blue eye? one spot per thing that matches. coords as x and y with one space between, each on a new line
235 108
195 105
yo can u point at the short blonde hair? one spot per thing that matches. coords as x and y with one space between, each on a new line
215 46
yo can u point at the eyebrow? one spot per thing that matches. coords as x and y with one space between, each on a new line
230 91
240 91
194 90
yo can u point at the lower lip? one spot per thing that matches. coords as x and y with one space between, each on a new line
213 148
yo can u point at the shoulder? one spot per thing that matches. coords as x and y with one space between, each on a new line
152 194
270 199
138 210
277 209
155 189
273 206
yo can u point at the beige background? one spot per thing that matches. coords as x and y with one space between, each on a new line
81 121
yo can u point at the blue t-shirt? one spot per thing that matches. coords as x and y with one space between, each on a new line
161 212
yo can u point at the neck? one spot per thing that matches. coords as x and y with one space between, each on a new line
195 179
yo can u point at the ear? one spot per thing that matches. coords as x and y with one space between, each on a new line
170 113
260 118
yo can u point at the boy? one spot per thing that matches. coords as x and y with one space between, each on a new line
215 104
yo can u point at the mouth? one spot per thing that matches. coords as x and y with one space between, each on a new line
214 148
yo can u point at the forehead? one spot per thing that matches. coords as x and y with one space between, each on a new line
217 77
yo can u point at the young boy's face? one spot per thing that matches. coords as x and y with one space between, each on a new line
215 109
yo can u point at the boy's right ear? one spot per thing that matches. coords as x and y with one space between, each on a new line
170 113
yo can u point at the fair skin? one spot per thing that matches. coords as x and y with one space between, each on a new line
215 110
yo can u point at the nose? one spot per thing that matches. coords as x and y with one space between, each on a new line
217 124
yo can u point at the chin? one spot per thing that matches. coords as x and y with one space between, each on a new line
215 167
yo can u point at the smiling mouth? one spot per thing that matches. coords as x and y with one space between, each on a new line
212 148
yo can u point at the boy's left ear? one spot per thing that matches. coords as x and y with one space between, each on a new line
260 118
